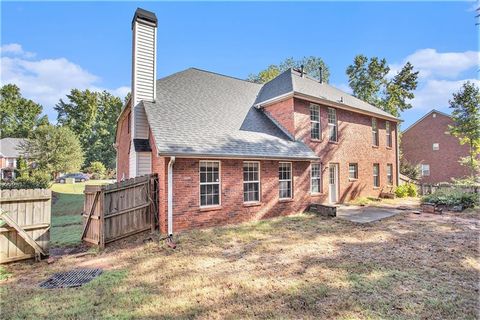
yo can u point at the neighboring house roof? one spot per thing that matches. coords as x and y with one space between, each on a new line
419 120
200 113
292 83
11 147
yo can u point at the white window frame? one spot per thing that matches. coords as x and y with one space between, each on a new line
356 171
375 140
200 183
252 181
319 178
332 125
376 176
425 165
315 108
436 146
389 174
388 132
282 180
11 162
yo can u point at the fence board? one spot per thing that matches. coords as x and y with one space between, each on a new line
123 209
30 210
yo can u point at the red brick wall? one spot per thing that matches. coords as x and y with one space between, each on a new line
283 113
187 213
354 146
123 145
417 147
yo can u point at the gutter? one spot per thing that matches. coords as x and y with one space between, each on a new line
397 153
170 197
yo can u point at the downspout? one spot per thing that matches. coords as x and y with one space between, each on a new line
170 198
397 154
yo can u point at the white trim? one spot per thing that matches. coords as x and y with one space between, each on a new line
376 165
291 181
334 125
259 181
210 183
319 178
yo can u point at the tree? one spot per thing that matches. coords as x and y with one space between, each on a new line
54 149
93 117
22 167
18 115
97 170
369 81
310 64
466 118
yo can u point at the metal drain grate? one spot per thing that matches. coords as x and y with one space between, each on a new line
70 279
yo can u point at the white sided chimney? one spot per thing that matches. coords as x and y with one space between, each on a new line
144 70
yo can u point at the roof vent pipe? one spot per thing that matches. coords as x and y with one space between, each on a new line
320 72
302 70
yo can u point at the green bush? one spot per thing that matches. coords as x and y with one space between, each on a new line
97 170
37 180
406 190
453 197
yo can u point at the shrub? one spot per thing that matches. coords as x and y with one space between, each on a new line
97 170
453 197
38 180
406 190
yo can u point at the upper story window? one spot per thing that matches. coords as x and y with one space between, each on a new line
374 132
388 130
353 171
315 177
285 180
332 125
376 175
390 173
209 183
315 121
251 181
425 169
11 162
436 146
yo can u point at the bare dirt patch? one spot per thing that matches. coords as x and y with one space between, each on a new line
405 267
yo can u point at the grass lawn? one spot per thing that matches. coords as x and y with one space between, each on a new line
66 212
302 266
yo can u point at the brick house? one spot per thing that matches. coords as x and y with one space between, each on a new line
427 143
227 150
10 151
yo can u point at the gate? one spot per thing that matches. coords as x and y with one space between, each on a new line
118 210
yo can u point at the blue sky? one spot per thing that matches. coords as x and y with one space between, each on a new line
49 48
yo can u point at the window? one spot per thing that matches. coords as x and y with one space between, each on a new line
436 146
129 123
376 175
285 180
332 125
251 181
389 173
374 132
388 130
425 168
209 183
353 171
315 178
315 121
11 162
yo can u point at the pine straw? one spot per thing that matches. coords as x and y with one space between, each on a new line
302 266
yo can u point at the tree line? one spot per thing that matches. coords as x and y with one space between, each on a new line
84 133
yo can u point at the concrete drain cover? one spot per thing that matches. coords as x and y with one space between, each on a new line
70 279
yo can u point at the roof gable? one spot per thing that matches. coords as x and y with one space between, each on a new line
425 116
11 147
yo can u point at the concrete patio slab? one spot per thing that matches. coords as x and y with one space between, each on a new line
360 214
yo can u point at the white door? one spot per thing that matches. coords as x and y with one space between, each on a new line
333 182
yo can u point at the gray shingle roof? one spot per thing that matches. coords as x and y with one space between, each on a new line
291 81
202 113
10 147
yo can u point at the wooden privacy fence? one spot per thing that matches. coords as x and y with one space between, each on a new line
24 224
118 210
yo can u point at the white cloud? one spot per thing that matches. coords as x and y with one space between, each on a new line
15 49
432 64
435 94
46 81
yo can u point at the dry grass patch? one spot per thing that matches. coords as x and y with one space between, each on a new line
303 266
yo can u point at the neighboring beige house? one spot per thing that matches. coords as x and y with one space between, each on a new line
10 150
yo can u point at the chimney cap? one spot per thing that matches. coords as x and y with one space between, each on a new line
145 15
